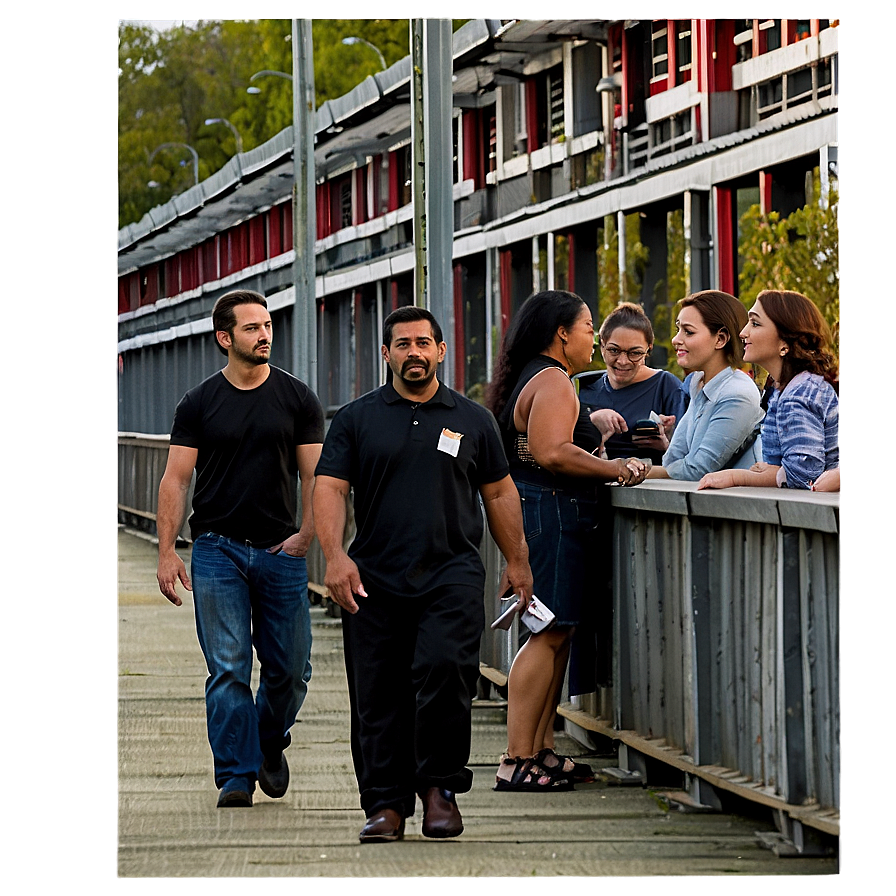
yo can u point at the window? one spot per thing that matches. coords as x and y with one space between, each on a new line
799 87
771 96
769 35
743 39
659 51
672 133
345 203
519 120
341 202
682 52
404 189
555 103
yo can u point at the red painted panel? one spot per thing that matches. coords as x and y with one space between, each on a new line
532 115
460 367
725 242
394 187
257 242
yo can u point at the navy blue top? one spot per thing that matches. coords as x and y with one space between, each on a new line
663 392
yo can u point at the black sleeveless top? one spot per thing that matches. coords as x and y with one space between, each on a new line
523 467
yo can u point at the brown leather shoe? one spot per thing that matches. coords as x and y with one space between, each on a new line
382 827
441 817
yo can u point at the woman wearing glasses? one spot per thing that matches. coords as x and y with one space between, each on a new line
787 335
630 390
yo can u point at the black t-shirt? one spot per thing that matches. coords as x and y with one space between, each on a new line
416 487
246 471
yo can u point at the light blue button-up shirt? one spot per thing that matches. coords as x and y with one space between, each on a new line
720 417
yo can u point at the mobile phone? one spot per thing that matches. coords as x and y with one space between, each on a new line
505 620
646 428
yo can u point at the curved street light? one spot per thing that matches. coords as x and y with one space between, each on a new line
348 41
195 155
264 73
236 133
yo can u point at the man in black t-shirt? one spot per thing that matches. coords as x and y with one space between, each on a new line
250 432
418 457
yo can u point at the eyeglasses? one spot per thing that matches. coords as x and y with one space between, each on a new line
634 354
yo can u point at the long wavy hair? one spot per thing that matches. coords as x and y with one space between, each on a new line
531 331
808 338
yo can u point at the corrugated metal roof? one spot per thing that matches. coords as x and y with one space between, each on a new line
367 120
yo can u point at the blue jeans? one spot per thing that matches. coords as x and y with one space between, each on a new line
245 597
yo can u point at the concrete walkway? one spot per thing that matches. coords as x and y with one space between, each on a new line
169 826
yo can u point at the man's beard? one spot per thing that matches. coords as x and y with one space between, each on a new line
251 357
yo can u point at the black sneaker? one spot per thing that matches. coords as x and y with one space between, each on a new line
273 776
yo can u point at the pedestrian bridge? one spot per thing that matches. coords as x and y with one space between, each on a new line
720 630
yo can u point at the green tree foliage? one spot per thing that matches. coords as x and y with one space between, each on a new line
637 256
669 291
170 82
798 252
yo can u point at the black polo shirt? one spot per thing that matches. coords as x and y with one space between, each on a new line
416 485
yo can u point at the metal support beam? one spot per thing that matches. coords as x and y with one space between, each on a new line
304 342
418 161
432 168
437 49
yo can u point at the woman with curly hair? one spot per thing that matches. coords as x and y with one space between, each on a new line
787 335
550 444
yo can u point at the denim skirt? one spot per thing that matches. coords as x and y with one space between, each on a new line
561 531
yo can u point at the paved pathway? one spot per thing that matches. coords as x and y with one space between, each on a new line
169 826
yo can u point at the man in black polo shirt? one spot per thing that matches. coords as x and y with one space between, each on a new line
417 457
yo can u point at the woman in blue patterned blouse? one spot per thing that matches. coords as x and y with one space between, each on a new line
787 336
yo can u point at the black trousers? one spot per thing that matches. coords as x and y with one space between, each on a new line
412 665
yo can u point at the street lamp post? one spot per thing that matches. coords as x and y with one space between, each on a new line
186 146
348 41
236 133
266 73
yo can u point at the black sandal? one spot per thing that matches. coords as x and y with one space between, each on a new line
581 772
529 776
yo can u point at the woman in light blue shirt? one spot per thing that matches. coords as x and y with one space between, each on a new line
787 335
720 427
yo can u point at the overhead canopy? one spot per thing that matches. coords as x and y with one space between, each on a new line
369 120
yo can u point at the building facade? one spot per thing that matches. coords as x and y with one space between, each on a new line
611 158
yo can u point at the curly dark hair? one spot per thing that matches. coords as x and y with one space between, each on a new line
803 328
530 332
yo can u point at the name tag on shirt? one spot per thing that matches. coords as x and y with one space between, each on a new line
449 442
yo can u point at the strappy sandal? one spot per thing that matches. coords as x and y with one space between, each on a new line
580 772
529 776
